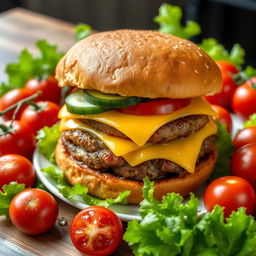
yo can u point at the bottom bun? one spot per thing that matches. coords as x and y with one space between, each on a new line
105 185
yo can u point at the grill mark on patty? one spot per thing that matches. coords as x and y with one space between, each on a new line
98 157
176 129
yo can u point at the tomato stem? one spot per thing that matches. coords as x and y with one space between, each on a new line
4 129
239 78
17 107
21 102
35 106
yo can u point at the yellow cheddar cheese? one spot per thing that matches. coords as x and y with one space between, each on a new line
183 152
117 145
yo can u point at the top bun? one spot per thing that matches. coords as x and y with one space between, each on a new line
140 63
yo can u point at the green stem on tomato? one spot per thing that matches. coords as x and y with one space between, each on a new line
35 95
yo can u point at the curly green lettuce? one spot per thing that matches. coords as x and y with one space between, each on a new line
6 196
79 191
172 227
28 66
251 121
218 52
82 31
169 20
47 141
225 150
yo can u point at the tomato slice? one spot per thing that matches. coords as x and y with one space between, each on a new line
156 107
96 231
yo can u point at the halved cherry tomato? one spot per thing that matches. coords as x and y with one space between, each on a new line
20 140
49 88
96 231
245 136
16 168
224 116
230 192
244 99
243 163
156 107
11 98
33 211
44 113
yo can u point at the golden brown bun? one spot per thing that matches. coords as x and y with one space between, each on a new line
140 63
105 185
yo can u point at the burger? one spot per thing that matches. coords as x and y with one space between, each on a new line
137 111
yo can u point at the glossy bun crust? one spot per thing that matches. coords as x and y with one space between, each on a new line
105 185
140 63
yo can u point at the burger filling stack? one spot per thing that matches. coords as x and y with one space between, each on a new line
137 111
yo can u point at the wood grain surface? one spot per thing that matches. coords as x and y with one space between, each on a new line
20 29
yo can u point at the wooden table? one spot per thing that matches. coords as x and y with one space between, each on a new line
20 29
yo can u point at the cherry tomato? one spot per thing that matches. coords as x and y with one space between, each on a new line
16 168
156 107
45 113
224 116
243 102
20 140
33 211
11 98
224 98
243 163
48 87
230 192
226 66
245 136
96 231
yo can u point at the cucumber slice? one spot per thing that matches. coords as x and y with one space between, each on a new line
110 100
77 104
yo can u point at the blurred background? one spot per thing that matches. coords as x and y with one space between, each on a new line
229 21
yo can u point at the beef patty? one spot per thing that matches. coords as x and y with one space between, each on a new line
92 152
176 129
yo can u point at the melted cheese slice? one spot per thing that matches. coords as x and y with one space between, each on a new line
140 128
117 145
183 152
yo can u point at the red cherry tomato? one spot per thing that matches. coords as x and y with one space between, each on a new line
230 192
226 66
243 163
224 116
48 87
20 140
156 107
245 136
224 98
45 115
16 168
33 211
96 231
243 102
11 98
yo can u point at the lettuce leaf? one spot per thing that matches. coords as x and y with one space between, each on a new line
28 66
225 150
80 192
251 121
6 196
82 30
48 139
172 227
169 19
218 52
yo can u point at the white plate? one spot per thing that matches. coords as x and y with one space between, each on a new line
125 212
